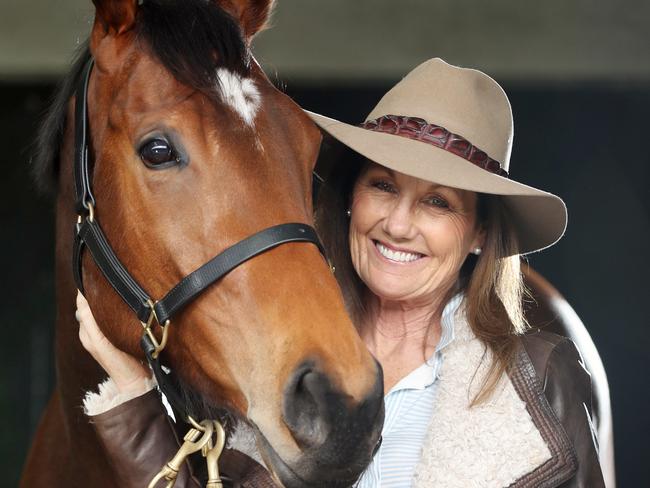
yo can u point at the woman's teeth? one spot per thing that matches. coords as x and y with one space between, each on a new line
398 256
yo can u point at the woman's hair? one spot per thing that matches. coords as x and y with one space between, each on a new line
333 199
494 291
492 282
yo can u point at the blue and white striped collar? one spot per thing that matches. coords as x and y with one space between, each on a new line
447 332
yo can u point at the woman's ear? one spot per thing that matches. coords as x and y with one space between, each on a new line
251 15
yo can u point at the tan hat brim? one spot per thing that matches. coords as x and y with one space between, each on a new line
540 218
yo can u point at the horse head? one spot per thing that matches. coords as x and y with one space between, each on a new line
194 150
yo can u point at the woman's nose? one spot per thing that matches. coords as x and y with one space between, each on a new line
399 221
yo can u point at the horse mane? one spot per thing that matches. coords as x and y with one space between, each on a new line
190 38
47 145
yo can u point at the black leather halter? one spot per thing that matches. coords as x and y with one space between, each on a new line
89 235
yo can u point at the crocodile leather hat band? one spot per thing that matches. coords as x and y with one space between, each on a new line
421 130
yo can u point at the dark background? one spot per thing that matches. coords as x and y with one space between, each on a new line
583 138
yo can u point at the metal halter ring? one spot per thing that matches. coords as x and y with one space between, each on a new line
158 345
91 211
197 425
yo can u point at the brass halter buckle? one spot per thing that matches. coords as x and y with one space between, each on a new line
147 326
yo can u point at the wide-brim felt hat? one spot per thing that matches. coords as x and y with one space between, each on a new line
453 126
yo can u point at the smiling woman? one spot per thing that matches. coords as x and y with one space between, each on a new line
425 230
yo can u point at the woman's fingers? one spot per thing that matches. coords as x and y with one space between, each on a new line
91 336
127 372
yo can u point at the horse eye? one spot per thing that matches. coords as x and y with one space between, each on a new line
158 153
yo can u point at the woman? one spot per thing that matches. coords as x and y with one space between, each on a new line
425 234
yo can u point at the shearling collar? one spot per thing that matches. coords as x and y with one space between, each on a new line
514 439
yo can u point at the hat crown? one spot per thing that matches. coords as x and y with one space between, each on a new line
464 101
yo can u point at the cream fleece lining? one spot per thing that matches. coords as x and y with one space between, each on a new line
488 446
108 397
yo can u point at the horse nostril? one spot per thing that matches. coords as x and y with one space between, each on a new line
305 408
335 432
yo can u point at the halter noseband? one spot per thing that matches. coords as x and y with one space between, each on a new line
89 234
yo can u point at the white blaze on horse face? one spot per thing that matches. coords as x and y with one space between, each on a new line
239 93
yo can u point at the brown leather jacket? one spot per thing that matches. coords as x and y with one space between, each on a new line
549 376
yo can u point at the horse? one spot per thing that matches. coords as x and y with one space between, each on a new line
191 150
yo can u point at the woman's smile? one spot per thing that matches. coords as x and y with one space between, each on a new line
395 255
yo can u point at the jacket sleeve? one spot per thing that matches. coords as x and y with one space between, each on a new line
139 440
567 387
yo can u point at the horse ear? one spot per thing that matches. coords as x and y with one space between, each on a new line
115 16
252 15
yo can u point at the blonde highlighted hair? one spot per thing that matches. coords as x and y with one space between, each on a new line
494 292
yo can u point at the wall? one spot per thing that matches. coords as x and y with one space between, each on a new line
367 39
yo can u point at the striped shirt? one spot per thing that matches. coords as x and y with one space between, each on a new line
409 406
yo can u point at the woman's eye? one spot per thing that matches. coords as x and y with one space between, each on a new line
384 186
438 202
157 152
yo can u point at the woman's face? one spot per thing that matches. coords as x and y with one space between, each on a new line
409 237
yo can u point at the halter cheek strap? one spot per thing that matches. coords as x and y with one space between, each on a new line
88 234
83 195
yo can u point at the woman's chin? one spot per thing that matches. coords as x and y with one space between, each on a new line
394 290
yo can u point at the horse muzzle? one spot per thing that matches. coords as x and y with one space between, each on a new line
337 435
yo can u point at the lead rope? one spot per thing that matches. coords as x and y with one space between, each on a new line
198 438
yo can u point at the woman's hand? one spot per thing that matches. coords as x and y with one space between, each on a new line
129 374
